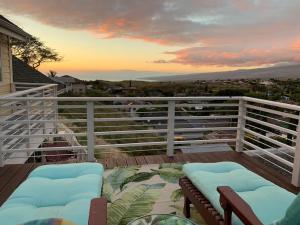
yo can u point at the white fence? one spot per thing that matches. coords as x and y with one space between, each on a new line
20 122
122 126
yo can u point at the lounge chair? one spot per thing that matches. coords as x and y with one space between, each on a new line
68 191
227 193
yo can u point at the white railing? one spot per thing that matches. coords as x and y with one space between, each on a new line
20 122
121 126
22 86
270 130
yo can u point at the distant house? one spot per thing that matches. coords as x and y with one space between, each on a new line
266 82
71 84
8 30
79 88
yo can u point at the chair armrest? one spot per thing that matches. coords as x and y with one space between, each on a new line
232 202
98 212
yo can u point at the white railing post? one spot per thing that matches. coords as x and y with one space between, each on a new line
28 123
296 166
171 128
55 109
90 131
44 113
240 126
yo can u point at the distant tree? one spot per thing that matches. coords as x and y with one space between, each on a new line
231 92
52 73
34 52
206 88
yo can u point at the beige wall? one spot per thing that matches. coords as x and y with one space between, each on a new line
5 82
79 88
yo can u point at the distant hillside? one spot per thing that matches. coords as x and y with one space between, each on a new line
282 72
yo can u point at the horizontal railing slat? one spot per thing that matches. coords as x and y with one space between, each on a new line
269 139
274 156
276 127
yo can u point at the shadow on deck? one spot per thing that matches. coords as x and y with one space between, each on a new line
12 175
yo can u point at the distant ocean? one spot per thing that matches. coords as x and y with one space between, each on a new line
119 75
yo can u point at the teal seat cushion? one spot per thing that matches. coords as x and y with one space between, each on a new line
52 221
55 191
292 214
220 167
71 170
258 192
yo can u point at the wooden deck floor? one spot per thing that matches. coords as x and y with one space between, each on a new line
12 175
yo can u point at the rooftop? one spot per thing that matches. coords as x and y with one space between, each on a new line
27 74
11 29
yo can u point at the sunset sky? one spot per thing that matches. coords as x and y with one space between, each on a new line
176 36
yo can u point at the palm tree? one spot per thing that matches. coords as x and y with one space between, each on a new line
52 73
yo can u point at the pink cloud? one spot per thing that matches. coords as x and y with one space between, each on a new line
296 45
239 58
169 22
234 32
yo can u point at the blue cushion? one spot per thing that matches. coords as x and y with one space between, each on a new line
219 167
55 191
62 171
291 216
52 221
259 193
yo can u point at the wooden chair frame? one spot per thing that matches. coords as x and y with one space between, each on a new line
98 212
230 201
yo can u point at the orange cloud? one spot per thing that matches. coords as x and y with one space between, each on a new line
239 58
169 22
296 45
238 32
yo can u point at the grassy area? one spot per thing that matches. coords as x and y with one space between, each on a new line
80 127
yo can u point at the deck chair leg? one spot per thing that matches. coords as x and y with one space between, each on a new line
187 207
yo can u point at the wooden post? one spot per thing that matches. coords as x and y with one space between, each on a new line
90 131
296 167
240 126
171 128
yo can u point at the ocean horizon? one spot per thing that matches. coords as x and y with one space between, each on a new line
118 75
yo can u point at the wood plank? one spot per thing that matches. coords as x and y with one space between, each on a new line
201 158
167 159
3 170
18 178
186 158
110 163
179 158
6 177
191 157
98 212
121 162
131 161
153 159
141 160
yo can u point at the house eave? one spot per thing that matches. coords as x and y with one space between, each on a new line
13 34
12 30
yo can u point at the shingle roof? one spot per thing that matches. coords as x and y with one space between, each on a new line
26 74
5 23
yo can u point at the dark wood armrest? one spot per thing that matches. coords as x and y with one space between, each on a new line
98 212
232 202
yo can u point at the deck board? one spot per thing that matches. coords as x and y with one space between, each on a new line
12 175
131 161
